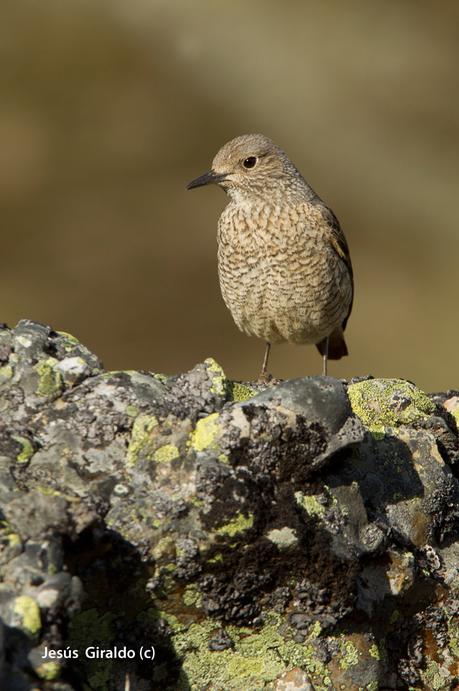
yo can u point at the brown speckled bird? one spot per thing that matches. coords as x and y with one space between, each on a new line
283 261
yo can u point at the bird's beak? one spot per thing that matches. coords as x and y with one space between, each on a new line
206 179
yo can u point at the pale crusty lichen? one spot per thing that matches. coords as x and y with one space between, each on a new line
283 538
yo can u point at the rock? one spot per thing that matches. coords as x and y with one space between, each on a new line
304 536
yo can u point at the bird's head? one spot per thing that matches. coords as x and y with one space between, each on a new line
250 166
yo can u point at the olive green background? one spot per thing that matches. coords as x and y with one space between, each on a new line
108 108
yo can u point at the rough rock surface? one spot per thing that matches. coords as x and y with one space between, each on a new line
301 537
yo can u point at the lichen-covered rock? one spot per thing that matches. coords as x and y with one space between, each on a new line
303 536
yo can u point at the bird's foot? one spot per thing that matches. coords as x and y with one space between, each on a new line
265 378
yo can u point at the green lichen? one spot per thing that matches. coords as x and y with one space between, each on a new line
315 630
165 547
310 504
240 392
14 540
258 658
49 671
374 651
141 441
7 531
433 677
192 597
48 491
219 381
68 337
166 453
160 377
49 378
349 655
132 410
453 632
27 449
206 434
382 403
239 524
6 373
29 612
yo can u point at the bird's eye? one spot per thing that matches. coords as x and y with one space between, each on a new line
249 162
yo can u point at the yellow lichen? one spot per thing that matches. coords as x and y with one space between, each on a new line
165 453
49 378
206 434
29 613
49 671
141 439
27 449
238 525
310 504
240 392
219 382
382 403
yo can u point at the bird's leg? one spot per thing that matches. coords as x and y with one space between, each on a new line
264 376
325 358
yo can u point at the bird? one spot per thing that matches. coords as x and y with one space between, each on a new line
283 261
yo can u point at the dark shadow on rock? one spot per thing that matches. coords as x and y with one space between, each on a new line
118 613
385 477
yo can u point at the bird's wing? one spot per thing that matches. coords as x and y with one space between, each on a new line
339 244
325 220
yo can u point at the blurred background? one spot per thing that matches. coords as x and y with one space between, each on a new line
108 108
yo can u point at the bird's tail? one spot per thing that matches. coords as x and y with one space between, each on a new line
337 347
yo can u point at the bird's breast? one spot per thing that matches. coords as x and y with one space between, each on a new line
279 276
